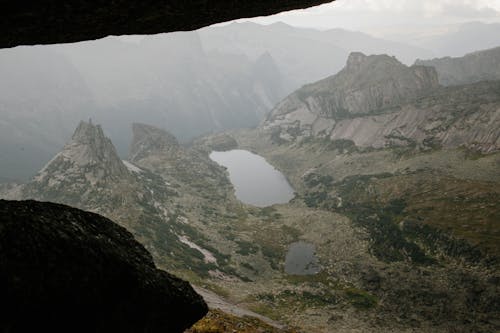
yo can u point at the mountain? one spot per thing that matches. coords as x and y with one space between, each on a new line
377 102
172 81
167 80
303 55
473 67
38 105
151 195
188 169
464 38
379 219
60 266
86 173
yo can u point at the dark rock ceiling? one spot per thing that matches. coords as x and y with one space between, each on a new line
62 21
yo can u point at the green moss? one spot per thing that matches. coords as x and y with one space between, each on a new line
313 279
360 299
246 248
266 310
291 232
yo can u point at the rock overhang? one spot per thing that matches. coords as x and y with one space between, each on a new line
58 21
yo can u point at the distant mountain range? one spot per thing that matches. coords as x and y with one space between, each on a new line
189 83
464 38
396 185
303 55
473 67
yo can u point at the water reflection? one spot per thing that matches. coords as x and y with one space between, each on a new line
301 259
256 182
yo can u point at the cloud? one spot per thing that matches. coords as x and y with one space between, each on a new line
356 14
464 8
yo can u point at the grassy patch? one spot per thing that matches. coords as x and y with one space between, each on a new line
360 299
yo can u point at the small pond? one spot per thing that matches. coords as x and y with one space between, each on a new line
301 259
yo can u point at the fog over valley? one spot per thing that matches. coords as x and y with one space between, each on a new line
331 169
189 83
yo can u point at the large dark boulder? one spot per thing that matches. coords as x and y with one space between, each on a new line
64 269
60 21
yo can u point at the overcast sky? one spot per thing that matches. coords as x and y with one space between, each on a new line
375 15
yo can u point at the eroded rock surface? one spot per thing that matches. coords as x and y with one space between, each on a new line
377 102
65 269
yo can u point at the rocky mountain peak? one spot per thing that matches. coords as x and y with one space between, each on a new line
89 157
376 101
86 131
355 60
90 148
367 84
148 140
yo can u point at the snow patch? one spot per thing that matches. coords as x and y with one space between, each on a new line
132 167
209 257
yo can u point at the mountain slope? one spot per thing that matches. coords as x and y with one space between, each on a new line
167 80
170 80
473 67
88 174
303 55
38 105
377 102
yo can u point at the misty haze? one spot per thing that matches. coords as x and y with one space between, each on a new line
331 169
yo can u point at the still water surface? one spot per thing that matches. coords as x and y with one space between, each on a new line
301 259
256 182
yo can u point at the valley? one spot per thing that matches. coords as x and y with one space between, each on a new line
389 222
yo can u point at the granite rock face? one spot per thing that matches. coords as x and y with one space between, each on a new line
377 102
473 67
148 139
365 85
63 269
86 173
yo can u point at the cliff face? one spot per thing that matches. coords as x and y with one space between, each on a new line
377 102
65 269
141 194
365 85
151 140
187 168
87 174
473 67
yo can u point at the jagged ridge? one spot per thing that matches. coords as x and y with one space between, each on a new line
377 102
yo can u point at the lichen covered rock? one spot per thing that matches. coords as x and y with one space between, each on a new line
64 269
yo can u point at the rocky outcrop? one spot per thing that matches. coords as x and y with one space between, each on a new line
473 67
90 154
89 175
466 116
366 84
377 102
89 147
186 168
217 142
65 269
57 21
87 170
148 140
